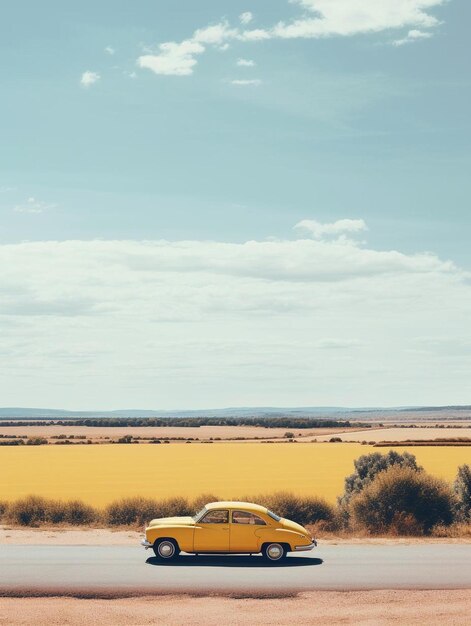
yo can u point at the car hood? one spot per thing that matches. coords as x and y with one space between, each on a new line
172 521
289 525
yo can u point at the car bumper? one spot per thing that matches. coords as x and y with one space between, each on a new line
146 544
306 548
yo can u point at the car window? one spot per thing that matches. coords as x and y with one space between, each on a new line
244 517
216 517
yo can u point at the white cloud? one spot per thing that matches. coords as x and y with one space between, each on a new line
215 34
179 58
256 34
174 59
412 35
89 78
254 82
284 322
110 50
245 63
321 18
354 17
319 230
246 17
33 205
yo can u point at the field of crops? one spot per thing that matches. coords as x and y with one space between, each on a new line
102 473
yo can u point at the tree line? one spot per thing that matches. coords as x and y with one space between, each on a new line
264 422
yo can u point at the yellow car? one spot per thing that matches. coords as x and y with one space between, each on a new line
227 527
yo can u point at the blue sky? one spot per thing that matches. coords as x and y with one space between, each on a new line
338 110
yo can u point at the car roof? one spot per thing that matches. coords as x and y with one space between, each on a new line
246 506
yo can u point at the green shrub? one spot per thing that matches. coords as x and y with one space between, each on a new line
368 466
462 488
401 500
125 439
12 442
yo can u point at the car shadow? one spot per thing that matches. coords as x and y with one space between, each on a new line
223 560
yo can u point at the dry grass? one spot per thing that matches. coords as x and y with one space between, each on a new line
302 509
35 511
321 518
138 511
99 475
458 530
401 434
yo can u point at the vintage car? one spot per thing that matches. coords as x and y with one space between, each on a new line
227 527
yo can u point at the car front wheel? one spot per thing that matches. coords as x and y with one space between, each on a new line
274 552
166 549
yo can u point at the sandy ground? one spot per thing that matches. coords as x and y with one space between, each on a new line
400 434
202 432
126 537
372 608
68 536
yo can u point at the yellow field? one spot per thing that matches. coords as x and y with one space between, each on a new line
100 474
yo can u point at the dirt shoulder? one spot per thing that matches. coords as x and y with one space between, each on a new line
61 536
125 537
371 607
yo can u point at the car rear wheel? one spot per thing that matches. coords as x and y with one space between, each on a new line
274 551
166 549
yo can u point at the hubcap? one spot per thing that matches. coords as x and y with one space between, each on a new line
166 549
275 551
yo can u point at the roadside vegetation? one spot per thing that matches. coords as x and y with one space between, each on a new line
368 466
403 501
37 511
386 495
462 488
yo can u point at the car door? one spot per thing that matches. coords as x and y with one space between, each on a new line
244 527
212 532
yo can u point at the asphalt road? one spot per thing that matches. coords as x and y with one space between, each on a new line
127 570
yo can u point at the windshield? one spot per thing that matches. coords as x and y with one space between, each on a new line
273 515
200 514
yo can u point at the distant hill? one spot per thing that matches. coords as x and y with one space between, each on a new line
19 412
364 413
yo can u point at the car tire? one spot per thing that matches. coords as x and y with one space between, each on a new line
274 552
166 549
